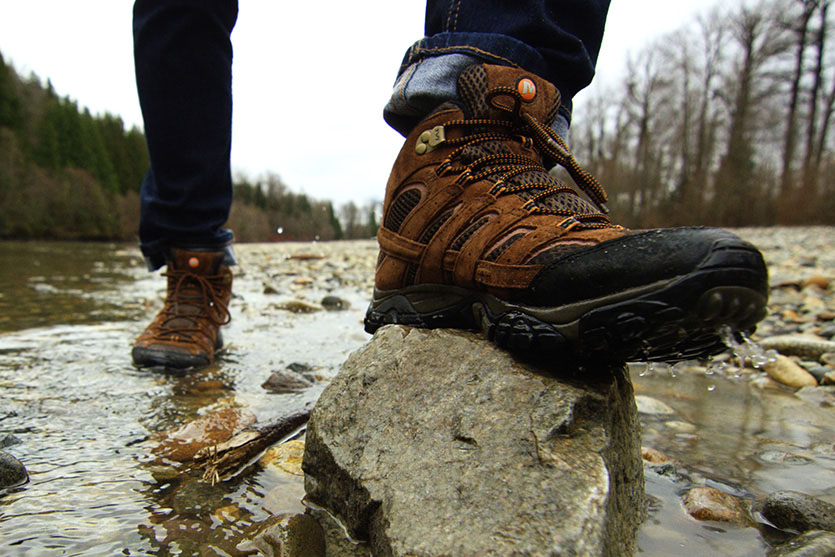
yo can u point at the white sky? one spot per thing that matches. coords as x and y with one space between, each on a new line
289 58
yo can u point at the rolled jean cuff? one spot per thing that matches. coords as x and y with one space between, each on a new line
158 253
429 72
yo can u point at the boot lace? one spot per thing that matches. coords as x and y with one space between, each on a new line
504 167
192 299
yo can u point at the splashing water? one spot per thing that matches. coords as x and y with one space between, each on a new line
747 350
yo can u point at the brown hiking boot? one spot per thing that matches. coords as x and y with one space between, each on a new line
186 331
478 234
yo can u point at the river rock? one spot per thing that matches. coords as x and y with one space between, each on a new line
12 471
785 371
436 442
182 443
792 510
811 544
335 303
652 406
294 535
805 346
8 440
821 396
282 382
708 503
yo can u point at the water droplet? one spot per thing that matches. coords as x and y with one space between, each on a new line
745 349
279 230
711 388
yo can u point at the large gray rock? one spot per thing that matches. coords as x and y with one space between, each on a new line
438 443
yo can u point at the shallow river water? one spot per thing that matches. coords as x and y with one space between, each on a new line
85 418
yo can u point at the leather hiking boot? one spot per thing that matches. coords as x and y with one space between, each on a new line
186 331
477 234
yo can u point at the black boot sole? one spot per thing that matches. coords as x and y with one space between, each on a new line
670 320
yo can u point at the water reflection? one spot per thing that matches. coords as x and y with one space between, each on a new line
88 419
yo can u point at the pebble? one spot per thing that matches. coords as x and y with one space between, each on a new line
829 378
12 471
828 358
820 281
291 535
820 396
708 503
297 306
8 440
792 510
654 456
649 405
334 303
785 371
286 457
819 372
816 543
282 382
804 346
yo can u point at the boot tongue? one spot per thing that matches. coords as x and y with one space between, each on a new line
197 262
191 297
540 99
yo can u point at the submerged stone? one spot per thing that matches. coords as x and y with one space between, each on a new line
708 503
811 544
294 535
792 510
435 442
12 471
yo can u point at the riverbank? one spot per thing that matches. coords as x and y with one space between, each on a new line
87 421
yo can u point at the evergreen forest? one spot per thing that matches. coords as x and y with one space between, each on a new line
66 174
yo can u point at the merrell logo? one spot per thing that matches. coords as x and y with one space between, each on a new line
526 89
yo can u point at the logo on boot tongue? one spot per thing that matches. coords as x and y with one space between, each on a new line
526 89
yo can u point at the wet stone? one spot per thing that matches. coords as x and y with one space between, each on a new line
297 306
294 535
281 382
182 443
8 440
821 396
816 543
819 372
12 471
792 510
649 405
654 456
805 346
708 503
334 303
784 370
198 497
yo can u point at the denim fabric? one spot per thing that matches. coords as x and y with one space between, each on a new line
558 40
183 56
428 83
183 59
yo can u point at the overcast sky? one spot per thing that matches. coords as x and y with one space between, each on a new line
289 57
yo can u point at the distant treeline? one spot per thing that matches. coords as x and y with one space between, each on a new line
67 174
726 121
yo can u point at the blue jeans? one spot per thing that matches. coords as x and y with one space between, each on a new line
183 58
